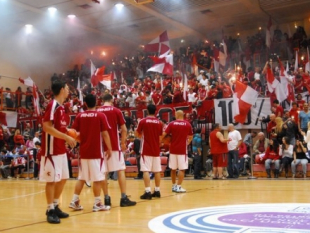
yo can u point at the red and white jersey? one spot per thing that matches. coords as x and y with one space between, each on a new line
91 124
56 114
179 131
151 129
202 93
116 119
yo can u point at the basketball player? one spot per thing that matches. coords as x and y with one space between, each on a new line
93 127
116 162
181 133
219 150
150 130
54 163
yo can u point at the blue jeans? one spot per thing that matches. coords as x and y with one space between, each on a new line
268 163
303 163
233 167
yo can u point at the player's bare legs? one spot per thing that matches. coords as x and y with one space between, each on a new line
146 179
78 187
215 172
97 188
157 179
180 177
173 176
49 192
122 180
59 186
220 172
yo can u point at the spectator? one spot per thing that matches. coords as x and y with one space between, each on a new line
271 124
28 99
277 108
299 158
8 98
234 142
304 118
279 131
36 137
1 136
197 151
36 158
261 144
286 152
157 97
272 157
248 140
18 138
17 163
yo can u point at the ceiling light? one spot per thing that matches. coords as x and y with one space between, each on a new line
28 28
71 16
119 5
52 10
182 41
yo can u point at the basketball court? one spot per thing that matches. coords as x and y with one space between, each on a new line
22 207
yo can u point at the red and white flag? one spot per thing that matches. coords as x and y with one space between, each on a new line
216 61
159 45
194 68
244 98
100 77
223 54
185 85
163 65
36 99
28 81
8 118
268 33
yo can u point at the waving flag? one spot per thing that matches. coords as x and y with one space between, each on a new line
216 61
8 118
244 98
296 61
163 65
159 45
36 100
307 66
100 77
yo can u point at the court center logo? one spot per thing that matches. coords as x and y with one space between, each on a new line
284 218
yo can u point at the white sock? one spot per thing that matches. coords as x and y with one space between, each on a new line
50 206
173 185
75 197
97 200
56 202
157 189
148 189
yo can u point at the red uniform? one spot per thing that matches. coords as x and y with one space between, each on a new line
50 144
179 130
156 98
218 150
116 119
91 124
151 129
202 93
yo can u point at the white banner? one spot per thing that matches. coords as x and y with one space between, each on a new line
224 113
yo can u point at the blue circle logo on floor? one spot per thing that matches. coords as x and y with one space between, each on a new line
284 218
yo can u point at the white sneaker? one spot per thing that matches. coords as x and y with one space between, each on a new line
180 190
100 207
174 188
75 205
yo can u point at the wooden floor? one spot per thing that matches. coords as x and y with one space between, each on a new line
22 203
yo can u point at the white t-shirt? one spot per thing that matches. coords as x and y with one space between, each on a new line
131 101
204 82
235 137
192 97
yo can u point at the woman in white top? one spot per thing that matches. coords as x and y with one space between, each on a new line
307 136
286 152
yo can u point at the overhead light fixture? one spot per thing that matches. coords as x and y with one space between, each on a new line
119 5
182 41
71 16
28 28
52 10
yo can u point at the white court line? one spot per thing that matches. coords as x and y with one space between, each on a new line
27 195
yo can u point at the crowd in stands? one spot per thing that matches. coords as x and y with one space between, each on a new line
134 88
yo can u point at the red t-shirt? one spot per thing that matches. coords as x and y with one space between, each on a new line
151 129
116 119
56 113
179 130
91 124
202 93
1 133
156 97
280 110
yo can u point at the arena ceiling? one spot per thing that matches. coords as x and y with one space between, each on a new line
137 24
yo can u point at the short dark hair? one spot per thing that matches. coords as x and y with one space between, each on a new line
90 100
276 102
107 97
57 86
38 144
198 130
151 108
216 125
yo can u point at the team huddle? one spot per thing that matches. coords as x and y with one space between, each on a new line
102 141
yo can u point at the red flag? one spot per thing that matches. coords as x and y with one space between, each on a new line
28 81
244 98
36 100
281 68
94 78
159 45
163 65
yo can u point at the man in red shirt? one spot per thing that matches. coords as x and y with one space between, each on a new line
278 110
157 97
54 163
116 162
140 100
219 150
95 124
150 131
227 92
294 112
177 95
181 133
